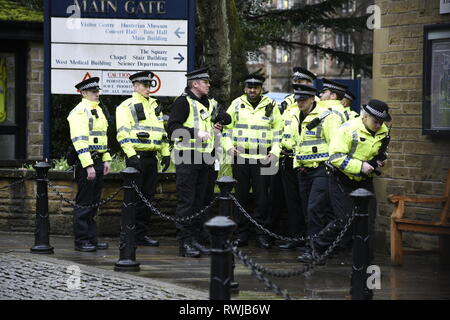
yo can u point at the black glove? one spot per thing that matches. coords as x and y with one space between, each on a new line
134 162
165 162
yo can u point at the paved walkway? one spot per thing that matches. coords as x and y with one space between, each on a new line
165 275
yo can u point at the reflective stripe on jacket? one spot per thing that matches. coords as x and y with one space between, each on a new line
89 131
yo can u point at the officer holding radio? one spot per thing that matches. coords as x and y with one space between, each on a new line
141 134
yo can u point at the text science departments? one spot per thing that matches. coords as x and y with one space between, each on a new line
123 61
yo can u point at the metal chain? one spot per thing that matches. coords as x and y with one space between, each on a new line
258 274
16 183
287 274
167 217
73 204
272 234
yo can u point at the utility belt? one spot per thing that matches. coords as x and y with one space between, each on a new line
95 155
255 151
287 152
307 170
341 178
146 154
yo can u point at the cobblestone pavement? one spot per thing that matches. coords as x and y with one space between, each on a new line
25 277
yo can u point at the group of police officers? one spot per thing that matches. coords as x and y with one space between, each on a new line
315 149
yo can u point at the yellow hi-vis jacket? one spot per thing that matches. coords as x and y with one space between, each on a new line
3 86
352 144
199 119
251 130
350 114
128 126
89 131
311 147
291 123
334 105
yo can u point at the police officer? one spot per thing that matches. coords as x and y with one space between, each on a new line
331 96
354 155
140 133
88 131
253 140
190 126
300 76
311 152
347 101
291 121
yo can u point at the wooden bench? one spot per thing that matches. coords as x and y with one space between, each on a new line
400 224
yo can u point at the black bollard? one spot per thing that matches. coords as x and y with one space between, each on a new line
359 290
127 242
42 230
226 185
220 229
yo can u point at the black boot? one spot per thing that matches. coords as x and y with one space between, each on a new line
203 250
264 242
148 242
291 245
188 250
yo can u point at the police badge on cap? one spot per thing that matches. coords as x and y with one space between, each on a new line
89 84
143 76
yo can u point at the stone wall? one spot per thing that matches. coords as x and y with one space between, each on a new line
35 101
18 204
417 164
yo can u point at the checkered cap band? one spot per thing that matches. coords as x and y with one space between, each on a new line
89 85
253 80
299 75
348 97
376 113
141 79
333 87
199 76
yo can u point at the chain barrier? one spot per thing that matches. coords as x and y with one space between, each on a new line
167 217
16 183
303 271
258 270
73 204
272 234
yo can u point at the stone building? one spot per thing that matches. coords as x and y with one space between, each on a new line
277 62
418 163
21 35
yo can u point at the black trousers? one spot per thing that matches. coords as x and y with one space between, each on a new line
146 181
192 182
249 176
296 216
313 187
343 207
89 192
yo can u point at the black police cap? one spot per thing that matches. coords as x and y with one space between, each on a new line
253 80
350 96
142 76
303 91
89 84
378 109
333 86
300 73
198 74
